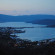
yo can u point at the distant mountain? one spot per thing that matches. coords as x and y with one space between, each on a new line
45 21
37 19
52 26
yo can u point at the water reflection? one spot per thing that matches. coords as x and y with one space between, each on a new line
33 34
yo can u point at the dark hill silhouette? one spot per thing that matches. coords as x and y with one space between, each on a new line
45 21
38 19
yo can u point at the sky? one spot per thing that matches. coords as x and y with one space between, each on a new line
27 7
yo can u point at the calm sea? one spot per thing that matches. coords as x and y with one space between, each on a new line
34 34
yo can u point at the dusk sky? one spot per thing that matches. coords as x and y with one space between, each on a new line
27 7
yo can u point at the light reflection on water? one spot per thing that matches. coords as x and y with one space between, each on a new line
33 34
38 33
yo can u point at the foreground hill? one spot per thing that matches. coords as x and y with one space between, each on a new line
9 46
37 19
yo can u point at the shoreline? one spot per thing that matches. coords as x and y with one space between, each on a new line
9 46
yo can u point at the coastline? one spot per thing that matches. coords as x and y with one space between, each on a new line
15 46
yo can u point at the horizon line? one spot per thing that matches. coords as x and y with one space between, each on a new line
27 14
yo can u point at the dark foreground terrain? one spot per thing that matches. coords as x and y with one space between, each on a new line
9 46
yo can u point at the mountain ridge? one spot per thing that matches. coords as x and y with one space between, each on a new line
36 19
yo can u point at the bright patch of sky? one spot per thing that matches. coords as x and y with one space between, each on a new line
27 7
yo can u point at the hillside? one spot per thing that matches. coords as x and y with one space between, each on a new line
37 19
13 46
45 21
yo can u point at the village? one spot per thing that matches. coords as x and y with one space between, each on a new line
12 45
